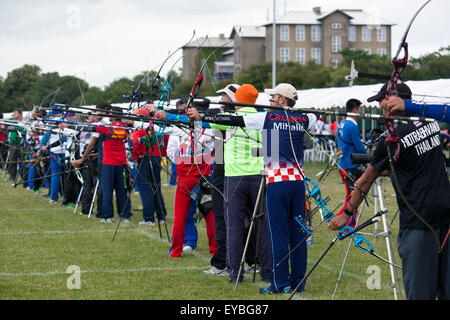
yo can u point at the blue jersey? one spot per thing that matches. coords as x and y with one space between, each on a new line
283 134
349 141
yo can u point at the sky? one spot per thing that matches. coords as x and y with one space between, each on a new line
102 40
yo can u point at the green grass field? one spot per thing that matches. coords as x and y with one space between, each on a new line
39 241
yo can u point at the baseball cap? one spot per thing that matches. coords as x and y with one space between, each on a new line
230 91
284 89
181 101
247 94
403 92
141 111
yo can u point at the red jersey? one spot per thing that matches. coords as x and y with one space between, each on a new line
114 153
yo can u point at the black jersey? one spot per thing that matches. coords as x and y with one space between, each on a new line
421 174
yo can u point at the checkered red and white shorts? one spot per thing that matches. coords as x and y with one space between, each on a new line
282 171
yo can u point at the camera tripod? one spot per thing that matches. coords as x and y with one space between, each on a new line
386 233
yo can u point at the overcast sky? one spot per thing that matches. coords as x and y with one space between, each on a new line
102 40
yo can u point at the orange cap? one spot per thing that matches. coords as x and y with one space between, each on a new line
246 94
142 111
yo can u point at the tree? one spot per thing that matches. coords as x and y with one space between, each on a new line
94 95
116 90
17 84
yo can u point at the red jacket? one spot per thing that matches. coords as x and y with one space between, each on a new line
114 152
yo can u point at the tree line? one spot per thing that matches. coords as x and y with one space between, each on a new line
28 86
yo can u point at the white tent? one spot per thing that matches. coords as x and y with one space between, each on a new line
431 91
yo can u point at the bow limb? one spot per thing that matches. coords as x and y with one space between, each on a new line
392 87
135 97
200 76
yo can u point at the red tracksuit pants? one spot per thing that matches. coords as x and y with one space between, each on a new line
183 202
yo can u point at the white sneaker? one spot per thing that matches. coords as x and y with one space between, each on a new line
187 249
52 201
102 220
217 272
146 223
127 220
162 221
109 220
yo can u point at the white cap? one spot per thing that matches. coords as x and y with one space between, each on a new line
230 90
283 89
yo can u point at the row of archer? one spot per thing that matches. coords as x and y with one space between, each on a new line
213 118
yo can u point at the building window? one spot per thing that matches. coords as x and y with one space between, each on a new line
284 54
237 55
300 55
284 32
367 50
382 51
316 55
315 33
351 33
300 32
381 34
334 63
336 44
366 34
336 26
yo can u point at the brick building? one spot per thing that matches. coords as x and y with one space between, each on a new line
300 36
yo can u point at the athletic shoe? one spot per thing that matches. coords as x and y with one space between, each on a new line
67 205
127 220
268 291
103 220
250 268
36 192
146 223
217 271
187 249
52 201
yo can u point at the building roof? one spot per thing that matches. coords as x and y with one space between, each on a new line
248 31
357 17
228 52
211 42
224 63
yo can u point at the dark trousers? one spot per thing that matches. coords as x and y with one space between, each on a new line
149 188
88 186
241 193
426 273
16 168
99 190
219 259
4 155
285 201
72 185
112 180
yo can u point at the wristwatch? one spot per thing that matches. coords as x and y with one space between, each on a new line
348 212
